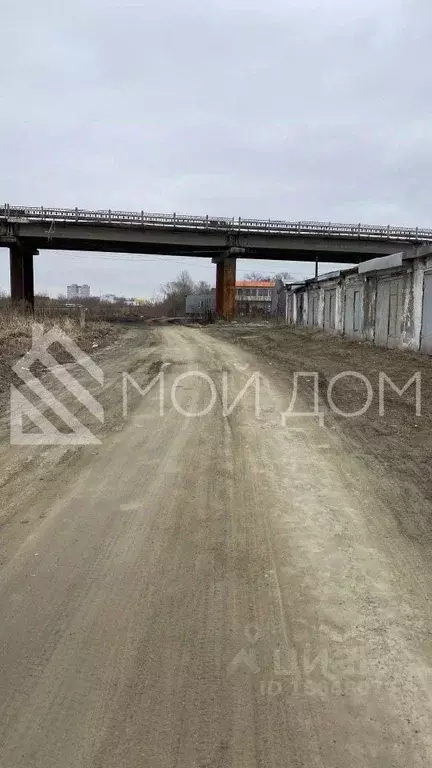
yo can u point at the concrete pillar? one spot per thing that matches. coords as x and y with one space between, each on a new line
22 274
225 287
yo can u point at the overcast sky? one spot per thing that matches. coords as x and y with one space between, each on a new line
294 109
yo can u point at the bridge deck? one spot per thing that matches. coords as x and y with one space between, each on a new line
205 236
23 215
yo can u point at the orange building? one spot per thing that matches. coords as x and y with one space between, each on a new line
254 296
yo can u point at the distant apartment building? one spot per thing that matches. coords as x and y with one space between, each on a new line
72 291
75 291
254 297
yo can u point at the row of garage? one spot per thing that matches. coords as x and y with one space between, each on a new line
387 301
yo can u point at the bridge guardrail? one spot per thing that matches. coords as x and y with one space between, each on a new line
163 220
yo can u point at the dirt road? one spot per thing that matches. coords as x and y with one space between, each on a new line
211 591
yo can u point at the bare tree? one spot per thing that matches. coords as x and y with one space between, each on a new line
175 293
284 276
202 287
183 285
256 276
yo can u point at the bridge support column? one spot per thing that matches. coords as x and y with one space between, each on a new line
225 286
22 274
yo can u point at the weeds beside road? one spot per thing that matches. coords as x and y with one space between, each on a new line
16 334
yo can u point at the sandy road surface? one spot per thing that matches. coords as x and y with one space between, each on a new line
207 592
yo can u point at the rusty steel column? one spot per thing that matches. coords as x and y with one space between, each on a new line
219 287
225 287
22 275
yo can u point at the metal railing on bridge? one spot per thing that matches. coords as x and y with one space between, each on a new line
173 221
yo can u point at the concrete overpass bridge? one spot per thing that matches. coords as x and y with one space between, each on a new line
25 230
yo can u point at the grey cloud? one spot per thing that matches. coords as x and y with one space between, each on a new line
284 109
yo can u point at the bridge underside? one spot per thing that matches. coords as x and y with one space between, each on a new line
201 243
24 239
119 238
294 254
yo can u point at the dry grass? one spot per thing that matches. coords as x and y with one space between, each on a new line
16 334
15 324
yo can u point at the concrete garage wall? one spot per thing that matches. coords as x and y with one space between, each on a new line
325 301
398 308
353 298
426 325
315 308
422 291
386 301
301 310
292 307
329 309
369 308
